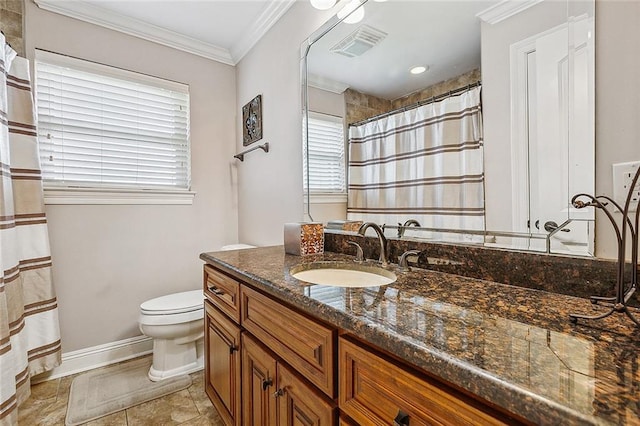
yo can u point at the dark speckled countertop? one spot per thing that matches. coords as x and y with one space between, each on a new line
511 346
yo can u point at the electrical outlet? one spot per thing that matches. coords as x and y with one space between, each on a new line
623 174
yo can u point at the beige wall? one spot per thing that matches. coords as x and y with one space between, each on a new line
109 259
270 185
326 102
617 101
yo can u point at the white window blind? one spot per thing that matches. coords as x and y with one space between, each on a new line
326 155
103 127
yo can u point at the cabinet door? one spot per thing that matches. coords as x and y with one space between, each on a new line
258 384
222 366
299 404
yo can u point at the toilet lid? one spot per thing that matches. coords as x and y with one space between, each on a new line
174 303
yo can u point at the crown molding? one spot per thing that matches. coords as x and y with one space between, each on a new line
268 17
505 9
105 18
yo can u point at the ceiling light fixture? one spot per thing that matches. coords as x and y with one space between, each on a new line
352 12
418 70
323 4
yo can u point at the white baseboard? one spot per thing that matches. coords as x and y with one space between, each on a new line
98 356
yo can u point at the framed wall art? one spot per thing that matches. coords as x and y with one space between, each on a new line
252 121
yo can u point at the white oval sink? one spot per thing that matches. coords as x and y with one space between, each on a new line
343 274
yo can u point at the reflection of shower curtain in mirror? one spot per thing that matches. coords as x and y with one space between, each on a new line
424 163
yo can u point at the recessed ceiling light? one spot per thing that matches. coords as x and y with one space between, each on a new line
418 70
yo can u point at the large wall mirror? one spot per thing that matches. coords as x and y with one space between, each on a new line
473 116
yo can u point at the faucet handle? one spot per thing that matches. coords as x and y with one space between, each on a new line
403 263
359 252
551 226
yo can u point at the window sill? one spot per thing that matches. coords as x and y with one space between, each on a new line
116 196
328 198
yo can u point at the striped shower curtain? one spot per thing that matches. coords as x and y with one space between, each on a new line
29 332
425 163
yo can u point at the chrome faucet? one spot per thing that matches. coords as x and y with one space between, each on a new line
553 228
401 227
359 252
404 262
381 238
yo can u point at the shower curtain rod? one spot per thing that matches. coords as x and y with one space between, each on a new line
419 103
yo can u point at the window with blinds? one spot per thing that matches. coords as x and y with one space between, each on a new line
326 155
105 128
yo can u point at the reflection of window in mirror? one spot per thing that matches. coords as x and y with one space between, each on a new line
326 156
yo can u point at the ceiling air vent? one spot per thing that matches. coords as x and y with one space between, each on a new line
359 41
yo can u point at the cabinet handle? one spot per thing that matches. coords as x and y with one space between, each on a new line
402 419
215 290
225 339
266 383
278 393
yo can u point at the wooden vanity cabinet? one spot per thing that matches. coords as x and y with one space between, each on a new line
269 364
222 364
255 350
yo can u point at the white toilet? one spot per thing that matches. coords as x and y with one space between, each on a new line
176 324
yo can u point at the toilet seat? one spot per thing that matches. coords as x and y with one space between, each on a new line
177 303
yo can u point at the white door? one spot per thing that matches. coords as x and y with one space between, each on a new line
560 139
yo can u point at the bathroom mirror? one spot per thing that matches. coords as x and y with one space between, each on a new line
535 138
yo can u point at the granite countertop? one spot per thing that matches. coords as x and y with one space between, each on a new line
511 346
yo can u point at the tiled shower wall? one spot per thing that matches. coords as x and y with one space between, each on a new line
438 89
11 23
360 106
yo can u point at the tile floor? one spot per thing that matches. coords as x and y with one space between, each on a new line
47 406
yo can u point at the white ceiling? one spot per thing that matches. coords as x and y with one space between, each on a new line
223 30
443 35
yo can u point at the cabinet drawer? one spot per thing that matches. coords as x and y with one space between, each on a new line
373 391
303 343
223 291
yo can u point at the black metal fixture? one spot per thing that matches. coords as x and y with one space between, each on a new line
623 290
